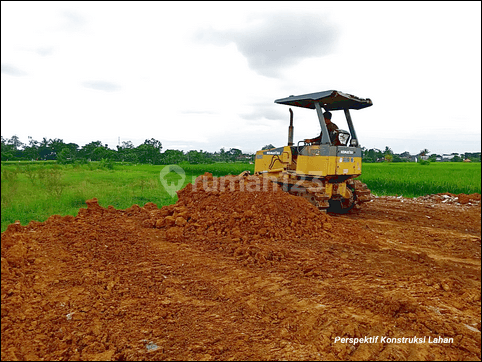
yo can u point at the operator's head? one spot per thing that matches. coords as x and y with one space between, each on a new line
327 116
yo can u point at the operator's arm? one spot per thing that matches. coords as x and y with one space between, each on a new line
311 140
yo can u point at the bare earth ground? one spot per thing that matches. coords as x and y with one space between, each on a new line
246 276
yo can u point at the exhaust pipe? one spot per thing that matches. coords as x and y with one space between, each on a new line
290 130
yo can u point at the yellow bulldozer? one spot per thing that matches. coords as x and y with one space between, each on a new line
323 169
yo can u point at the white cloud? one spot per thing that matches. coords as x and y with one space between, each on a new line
12 70
271 42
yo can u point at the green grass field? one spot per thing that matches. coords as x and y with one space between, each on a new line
414 179
34 191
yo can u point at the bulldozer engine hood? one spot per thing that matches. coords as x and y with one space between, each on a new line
338 151
330 100
321 150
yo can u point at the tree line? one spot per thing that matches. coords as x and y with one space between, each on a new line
387 155
148 152
151 152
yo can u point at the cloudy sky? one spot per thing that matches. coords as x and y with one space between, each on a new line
204 75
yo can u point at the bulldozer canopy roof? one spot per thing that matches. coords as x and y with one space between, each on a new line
330 100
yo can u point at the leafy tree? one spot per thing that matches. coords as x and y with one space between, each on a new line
170 157
233 153
432 157
197 157
12 148
378 154
7 150
126 145
43 148
131 156
154 143
15 142
65 156
397 158
57 145
223 156
146 153
127 152
372 155
87 151
472 156
102 153
388 151
73 147
31 152
150 151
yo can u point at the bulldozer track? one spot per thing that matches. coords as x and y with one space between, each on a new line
311 191
362 192
316 194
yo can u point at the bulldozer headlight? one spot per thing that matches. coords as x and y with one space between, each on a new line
353 143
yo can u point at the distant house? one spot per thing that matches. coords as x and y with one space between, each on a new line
244 157
467 160
408 157
405 156
446 157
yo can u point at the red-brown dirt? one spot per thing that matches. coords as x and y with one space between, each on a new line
237 274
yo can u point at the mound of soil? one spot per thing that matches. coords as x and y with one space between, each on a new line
238 269
239 215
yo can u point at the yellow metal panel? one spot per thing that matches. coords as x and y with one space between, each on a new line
312 165
287 155
276 163
348 165
328 189
331 165
261 162
316 165
358 163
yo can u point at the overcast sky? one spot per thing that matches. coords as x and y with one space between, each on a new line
202 75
